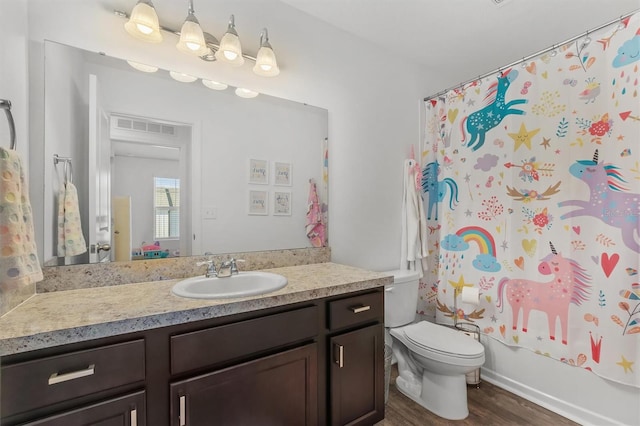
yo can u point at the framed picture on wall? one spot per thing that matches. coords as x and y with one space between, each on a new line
258 202
282 174
258 171
282 203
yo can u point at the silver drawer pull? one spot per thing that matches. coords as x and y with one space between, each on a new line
134 417
59 378
358 309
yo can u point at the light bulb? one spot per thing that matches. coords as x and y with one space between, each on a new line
144 29
230 55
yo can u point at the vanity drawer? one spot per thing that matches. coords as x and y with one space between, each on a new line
33 384
356 310
215 345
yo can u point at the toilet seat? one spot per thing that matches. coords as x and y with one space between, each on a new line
440 343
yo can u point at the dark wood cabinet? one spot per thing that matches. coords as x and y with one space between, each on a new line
128 410
356 377
356 359
275 366
275 390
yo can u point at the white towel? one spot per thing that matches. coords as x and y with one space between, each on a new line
71 241
414 250
19 264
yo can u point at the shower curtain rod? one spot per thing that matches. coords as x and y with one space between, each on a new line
526 58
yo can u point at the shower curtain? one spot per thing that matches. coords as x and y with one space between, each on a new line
531 185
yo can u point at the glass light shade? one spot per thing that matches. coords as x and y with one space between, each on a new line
182 77
246 93
192 38
266 64
230 50
142 67
214 85
143 23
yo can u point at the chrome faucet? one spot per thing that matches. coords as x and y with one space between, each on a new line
228 268
211 268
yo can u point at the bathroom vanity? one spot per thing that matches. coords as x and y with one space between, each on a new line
311 353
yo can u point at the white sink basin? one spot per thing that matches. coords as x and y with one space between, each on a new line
244 284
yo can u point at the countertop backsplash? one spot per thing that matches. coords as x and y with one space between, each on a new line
74 277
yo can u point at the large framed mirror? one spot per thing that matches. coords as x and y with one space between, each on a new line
161 163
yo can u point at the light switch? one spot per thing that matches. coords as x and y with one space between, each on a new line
210 213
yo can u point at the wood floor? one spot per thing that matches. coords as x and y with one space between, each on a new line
488 405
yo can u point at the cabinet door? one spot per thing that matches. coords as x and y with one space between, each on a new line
280 389
128 410
357 376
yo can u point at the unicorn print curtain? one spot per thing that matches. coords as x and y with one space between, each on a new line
531 185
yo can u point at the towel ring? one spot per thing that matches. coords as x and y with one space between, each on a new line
6 106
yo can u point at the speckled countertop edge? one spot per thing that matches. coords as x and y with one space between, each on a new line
63 317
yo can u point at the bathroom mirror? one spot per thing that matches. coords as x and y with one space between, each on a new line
177 164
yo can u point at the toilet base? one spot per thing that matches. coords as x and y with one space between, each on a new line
444 396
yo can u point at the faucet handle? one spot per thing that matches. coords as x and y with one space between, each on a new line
211 267
234 265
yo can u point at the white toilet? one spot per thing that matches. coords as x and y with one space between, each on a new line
432 359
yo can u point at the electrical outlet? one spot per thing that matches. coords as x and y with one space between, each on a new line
210 213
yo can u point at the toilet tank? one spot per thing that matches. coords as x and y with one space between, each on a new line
401 298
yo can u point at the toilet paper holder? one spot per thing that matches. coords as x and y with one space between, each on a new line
469 295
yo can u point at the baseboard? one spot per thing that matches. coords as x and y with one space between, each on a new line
570 411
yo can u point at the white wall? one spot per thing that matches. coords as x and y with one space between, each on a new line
67 121
374 102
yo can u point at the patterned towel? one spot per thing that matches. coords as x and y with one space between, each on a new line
70 239
19 264
315 227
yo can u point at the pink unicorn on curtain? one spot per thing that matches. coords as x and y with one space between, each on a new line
607 201
570 284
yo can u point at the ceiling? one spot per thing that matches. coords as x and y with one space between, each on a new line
465 38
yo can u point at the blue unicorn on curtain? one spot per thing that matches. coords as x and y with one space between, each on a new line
437 189
485 119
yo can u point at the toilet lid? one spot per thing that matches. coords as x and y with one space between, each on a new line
441 339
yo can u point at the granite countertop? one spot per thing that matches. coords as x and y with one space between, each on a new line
62 317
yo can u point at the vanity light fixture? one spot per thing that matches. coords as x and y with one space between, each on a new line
230 50
246 93
143 23
182 77
142 67
191 36
214 85
266 63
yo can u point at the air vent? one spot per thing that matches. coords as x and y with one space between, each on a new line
140 125
145 126
123 123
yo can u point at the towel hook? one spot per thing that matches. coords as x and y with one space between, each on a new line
6 106
68 167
